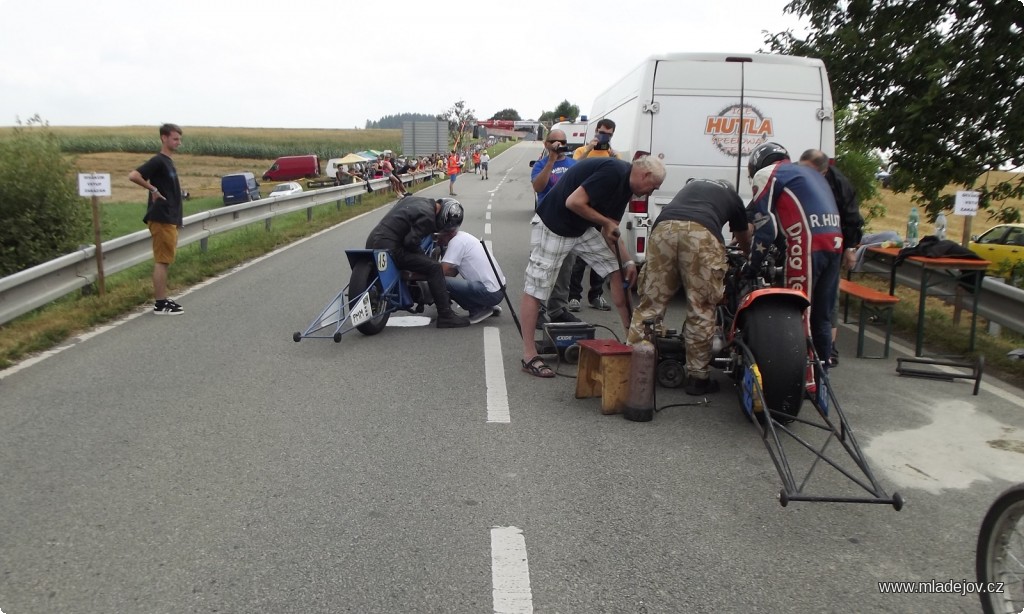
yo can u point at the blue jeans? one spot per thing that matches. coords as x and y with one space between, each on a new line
824 288
473 295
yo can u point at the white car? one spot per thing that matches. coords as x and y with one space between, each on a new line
285 189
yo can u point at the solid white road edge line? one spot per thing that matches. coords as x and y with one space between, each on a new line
510 572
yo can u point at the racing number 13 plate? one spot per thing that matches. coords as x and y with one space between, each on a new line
362 311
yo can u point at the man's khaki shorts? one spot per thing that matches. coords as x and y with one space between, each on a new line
165 241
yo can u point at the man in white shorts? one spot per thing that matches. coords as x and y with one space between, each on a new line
580 215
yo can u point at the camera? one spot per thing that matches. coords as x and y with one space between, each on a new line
562 149
602 146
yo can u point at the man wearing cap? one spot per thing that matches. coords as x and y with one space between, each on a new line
686 250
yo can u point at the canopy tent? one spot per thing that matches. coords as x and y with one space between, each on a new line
352 159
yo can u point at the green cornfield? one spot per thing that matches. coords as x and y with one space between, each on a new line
249 143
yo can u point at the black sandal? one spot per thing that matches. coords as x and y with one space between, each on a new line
537 367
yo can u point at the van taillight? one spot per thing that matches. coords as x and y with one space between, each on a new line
641 245
638 206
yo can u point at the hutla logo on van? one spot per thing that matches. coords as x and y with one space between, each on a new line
724 128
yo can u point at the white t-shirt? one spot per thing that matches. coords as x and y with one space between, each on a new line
467 254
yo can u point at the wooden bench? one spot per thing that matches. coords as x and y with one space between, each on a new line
872 303
604 372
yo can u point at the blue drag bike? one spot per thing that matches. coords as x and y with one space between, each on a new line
377 288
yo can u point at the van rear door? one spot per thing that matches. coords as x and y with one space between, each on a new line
695 129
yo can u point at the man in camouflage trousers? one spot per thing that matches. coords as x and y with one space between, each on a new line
686 249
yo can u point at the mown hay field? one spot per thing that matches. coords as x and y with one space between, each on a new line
206 154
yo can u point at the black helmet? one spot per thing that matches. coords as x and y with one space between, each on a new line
451 214
765 154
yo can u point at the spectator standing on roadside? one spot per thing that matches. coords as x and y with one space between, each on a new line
581 216
453 172
545 174
485 161
164 213
851 223
598 147
476 161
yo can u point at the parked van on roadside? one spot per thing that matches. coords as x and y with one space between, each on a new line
288 168
239 188
575 132
688 109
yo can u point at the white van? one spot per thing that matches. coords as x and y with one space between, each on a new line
575 132
685 109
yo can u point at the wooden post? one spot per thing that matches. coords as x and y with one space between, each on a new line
100 282
958 305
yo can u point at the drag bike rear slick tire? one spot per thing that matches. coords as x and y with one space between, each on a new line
363 275
1003 520
774 333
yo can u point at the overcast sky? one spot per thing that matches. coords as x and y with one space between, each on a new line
319 64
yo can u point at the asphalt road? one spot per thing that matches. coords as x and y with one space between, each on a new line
208 463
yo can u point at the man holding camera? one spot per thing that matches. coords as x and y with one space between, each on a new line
598 147
544 177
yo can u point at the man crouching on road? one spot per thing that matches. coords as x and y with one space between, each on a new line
580 215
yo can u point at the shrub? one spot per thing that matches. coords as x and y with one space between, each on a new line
43 216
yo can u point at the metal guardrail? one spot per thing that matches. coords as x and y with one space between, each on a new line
32 288
999 302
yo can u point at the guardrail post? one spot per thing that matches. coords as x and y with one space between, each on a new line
309 214
204 244
266 224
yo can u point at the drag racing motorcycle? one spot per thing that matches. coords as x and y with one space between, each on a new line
762 343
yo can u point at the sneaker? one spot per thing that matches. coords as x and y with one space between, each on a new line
475 317
496 310
167 307
833 360
565 316
542 319
451 320
574 304
601 304
696 387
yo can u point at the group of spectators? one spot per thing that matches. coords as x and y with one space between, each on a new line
389 166
476 160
